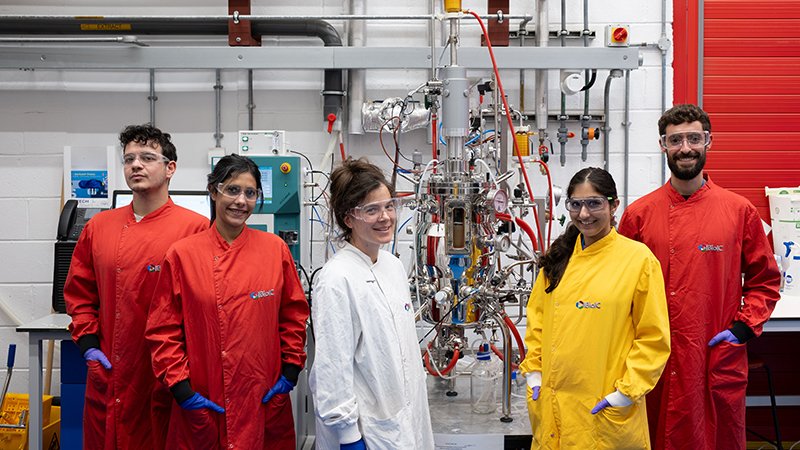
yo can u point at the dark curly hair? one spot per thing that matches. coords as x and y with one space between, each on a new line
148 135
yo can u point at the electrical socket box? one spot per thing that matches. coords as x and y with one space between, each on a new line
618 35
261 142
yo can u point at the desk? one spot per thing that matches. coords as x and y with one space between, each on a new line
53 326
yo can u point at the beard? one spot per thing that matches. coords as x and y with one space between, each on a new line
687 173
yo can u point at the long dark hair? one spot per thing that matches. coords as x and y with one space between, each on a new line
227 167
554 261
351 183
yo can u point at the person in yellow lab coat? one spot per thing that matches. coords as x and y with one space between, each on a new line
598 329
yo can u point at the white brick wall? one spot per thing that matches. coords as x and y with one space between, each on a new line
42 111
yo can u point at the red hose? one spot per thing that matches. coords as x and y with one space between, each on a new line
508 118
341 146
500 355
517 337
446 370
522 224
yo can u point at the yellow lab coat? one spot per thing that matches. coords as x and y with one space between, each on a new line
604 328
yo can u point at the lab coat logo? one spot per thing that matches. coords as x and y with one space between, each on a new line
580 304
154 268
709 248
262 294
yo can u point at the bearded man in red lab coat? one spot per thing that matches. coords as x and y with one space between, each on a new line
112 275
721 281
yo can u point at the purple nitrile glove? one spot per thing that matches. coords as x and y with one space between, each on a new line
726 335
357 445
95 354
535 392
197 401
601 405
282 386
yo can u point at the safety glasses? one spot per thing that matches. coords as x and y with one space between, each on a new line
694 139
591 203
372 212
234 191
144 157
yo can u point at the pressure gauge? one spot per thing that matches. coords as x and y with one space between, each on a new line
497 200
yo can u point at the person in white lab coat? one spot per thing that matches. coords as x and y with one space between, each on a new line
367 378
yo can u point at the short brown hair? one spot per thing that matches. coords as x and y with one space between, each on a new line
351 183
686 113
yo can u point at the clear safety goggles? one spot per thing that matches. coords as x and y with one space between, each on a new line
591 203
233 191
144 157
695 139
371 212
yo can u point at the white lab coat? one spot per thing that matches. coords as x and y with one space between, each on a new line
367 377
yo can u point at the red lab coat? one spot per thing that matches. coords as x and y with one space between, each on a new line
704 245
227 318
112 276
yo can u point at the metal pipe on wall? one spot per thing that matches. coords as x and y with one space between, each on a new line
627 125
152 97
251 105
218 109
356 78
522 33
542 37
562 128
586 73
615 73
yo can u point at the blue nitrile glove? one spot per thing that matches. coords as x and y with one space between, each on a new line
601 405
534 381
726 335
282 386
197 401
357 445
95 354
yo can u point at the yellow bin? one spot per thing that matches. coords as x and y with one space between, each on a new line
17 438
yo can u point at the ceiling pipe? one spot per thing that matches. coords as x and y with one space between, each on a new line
333 90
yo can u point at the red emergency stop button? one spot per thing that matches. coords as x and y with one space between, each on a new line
620 34
286 167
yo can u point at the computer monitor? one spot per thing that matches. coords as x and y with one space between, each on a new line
196 201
